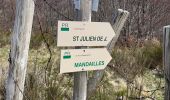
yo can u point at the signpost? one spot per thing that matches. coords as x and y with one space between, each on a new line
76 33
74 60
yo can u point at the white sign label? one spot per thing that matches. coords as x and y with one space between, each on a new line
95 4
74 60
77 4
77 33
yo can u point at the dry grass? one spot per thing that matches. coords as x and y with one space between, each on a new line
45 83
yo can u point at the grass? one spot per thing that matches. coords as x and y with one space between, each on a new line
44 82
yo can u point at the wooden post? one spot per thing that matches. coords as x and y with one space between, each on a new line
118 25
80 78
19 49
166 60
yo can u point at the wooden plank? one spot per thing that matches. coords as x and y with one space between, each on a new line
97 75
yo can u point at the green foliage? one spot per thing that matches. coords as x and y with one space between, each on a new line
2 88
105 90
43 81
38 38
126 63
5 38
153 52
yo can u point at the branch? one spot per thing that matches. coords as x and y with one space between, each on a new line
47 45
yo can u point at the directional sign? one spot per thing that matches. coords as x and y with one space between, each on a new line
75 33
74 60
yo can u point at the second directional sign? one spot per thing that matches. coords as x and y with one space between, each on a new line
74 60
75 33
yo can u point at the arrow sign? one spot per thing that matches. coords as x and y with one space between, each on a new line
75 33
74 60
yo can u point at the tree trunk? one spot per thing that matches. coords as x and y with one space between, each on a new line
19 49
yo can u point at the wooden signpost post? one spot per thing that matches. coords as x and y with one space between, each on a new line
80 78
117 26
